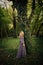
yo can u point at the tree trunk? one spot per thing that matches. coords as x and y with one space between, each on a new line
1 32
32 13
5 31
14 25
39 30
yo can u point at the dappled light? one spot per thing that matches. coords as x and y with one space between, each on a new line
10 26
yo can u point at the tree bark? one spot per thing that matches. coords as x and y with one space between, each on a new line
14 25
32 13
39 30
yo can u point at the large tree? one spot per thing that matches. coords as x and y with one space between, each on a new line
5 17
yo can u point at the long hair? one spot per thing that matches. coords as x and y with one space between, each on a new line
21 34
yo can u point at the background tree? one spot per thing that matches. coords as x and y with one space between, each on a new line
37 15
5 18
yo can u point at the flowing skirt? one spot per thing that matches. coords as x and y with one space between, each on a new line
21 51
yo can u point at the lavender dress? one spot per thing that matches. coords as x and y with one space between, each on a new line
21 50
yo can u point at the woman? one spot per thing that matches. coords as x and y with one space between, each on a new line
22 49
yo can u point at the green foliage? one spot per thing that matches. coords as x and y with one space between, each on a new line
8 51
9 43
37 46
6 18
37 21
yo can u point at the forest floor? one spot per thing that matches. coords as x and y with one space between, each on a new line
8 51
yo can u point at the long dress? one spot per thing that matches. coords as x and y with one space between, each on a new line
22 50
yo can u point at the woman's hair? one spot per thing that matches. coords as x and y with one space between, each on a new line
21 34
